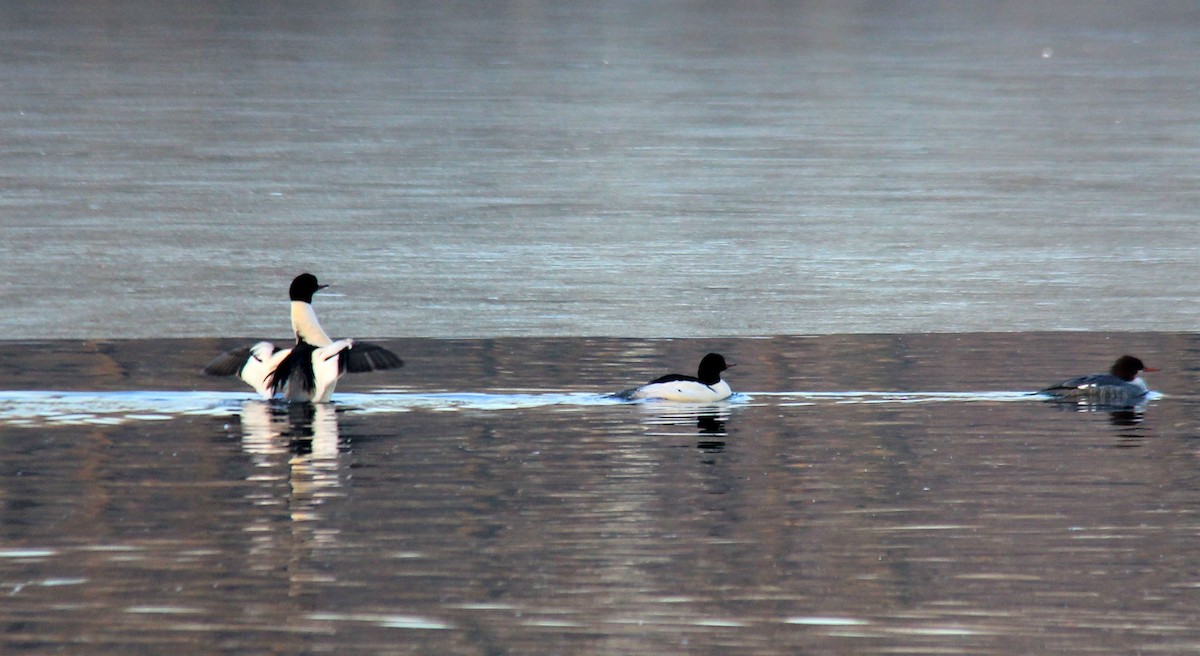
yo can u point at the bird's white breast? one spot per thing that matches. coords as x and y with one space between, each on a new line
306 326
685 391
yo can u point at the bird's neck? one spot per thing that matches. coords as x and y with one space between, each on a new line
306 326
709 379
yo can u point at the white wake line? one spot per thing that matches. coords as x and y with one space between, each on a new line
812 398
39 408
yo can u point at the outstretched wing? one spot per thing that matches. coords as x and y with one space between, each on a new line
229 363
253 364
361 357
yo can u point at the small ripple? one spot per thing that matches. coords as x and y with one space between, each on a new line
384 620
818 620
162 610
720 623
861 397
27 553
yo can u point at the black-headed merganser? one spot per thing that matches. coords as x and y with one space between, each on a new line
309 370
705 387
1120 386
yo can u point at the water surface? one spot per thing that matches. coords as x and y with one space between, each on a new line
513 179
862 494
599 168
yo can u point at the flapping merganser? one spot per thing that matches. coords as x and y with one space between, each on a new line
705 387
1120 386
309 370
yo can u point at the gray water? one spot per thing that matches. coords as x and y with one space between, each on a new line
599 168
875 209
861 494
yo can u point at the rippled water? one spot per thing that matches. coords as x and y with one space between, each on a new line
599 168
860 494
511 179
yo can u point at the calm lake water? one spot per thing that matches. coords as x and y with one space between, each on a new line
861 494
936 191
625 168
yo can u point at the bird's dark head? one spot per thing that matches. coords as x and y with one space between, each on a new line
711 367
303 287
1128 367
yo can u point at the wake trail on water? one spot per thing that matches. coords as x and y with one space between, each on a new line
47 407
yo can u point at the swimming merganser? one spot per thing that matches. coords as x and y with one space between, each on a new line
309 370
705 387
1120 386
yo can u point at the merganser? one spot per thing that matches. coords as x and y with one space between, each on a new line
1120 386
705 387
309 370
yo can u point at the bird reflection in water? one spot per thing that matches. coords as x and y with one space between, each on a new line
1119 415
1127 419
716 492
712 432
1131 433
709 421
306 435
294 450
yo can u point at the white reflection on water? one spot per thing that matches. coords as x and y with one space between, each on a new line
825 621
811 398
27 553
383 620
295 452
303 435
298 444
